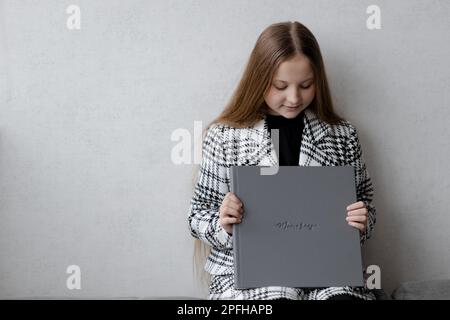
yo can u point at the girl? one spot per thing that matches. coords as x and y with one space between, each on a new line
284 86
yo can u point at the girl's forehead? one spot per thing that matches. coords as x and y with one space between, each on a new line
294 69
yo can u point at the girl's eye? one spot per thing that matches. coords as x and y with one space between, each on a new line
300 87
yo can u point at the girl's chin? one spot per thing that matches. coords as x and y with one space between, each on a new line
287 112
290 113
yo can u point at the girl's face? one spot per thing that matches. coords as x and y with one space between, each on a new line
292 88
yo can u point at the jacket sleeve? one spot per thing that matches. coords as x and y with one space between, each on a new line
210 189
364 187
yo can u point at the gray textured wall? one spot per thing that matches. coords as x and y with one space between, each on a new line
86 117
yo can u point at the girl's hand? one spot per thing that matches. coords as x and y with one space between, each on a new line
357 214
230 212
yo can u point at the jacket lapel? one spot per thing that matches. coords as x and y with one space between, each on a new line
314 130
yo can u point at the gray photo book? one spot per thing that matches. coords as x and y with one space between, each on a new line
293 232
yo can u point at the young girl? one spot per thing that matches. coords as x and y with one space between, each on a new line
284 86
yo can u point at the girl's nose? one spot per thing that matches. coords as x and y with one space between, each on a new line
294 98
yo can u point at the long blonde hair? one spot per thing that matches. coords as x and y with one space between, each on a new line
276 44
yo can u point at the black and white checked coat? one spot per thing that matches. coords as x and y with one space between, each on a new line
223 146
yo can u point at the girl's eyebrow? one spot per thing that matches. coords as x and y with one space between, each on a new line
286 81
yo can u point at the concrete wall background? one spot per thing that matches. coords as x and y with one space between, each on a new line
86 116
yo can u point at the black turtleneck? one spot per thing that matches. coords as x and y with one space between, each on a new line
290 133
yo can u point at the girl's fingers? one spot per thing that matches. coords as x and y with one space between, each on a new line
232 205
231 220
233 198
228 211
357 218
355 205
359 226
357 212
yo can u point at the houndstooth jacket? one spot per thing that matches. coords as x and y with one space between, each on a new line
224 146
